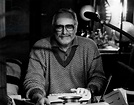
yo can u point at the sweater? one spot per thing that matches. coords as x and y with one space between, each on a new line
48 74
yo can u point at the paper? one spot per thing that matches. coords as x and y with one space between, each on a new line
116 97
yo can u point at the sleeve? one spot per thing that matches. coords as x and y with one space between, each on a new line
35 81
96 78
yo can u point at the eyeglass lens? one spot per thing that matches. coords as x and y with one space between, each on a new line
68 27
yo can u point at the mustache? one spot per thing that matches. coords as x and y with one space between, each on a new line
64 35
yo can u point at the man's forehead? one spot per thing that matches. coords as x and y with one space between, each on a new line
65 15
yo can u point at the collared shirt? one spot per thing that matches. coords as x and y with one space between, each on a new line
63 54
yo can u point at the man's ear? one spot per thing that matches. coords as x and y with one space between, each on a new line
76 28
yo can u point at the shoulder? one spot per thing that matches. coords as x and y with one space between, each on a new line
43 42
88 45
83 41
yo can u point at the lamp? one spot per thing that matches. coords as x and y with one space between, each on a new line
94 16
84 9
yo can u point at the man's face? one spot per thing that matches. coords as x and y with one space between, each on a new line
65 30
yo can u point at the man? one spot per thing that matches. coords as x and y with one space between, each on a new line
64 62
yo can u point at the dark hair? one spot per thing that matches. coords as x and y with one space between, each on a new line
67 11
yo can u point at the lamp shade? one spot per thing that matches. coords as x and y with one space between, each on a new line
127 27
86 8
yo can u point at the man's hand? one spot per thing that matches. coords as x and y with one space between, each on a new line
38 99
43 101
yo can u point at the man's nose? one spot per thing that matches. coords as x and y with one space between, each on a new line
64 31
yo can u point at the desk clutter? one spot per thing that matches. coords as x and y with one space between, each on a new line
116 97
18 100
68 98
71 99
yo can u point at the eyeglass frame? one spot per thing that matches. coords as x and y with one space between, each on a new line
67 26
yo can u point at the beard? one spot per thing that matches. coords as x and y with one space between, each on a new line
65 40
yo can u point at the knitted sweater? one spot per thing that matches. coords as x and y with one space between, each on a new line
48 74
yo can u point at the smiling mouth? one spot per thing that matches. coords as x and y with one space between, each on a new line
62 36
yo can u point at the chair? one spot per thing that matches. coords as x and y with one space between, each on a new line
13 75
129 70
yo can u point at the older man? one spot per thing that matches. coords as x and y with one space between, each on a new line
63 62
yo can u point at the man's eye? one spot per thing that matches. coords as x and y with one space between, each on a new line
58 26
69 26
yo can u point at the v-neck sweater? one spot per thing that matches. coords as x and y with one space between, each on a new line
48 74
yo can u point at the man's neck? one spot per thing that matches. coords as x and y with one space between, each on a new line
65 47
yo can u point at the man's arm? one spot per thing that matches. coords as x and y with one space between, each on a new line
97 77
34 80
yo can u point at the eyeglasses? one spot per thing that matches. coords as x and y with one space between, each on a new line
68 27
